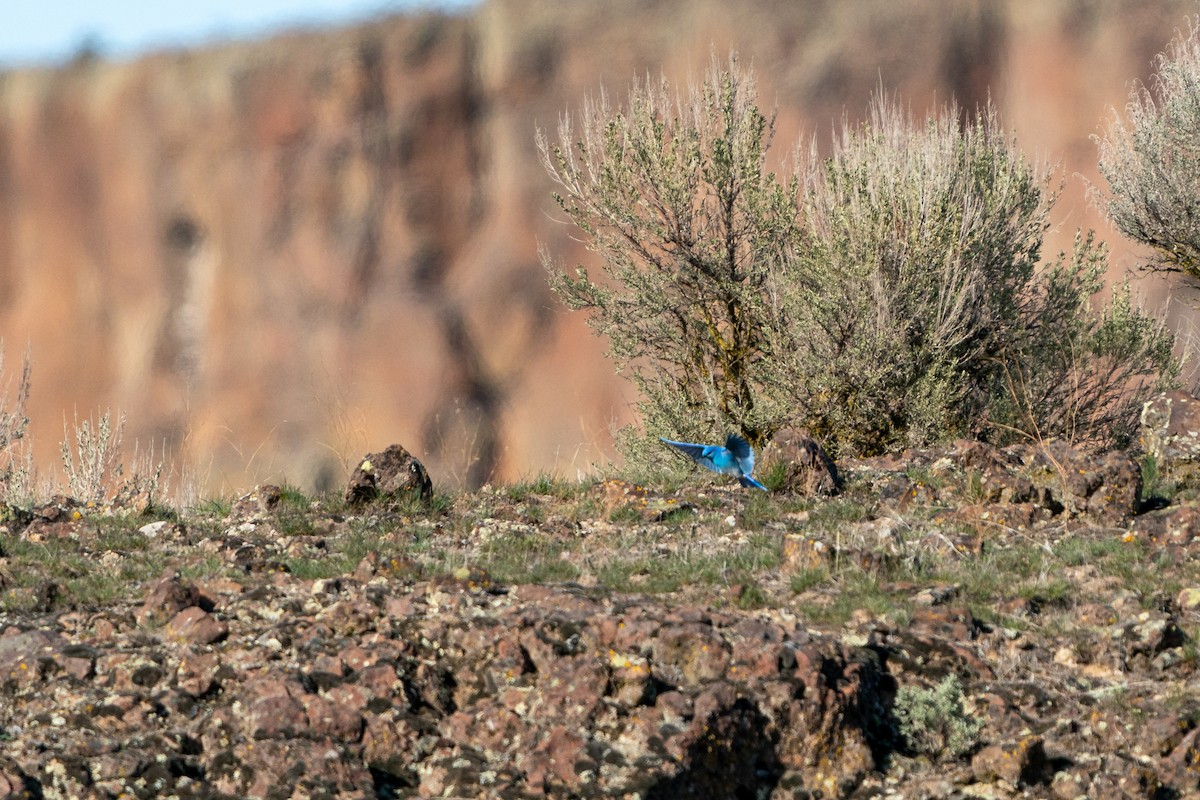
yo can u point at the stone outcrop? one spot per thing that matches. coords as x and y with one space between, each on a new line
806 468
1171 428
276 255
438 688
390 475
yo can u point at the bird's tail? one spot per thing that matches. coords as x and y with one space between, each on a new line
747 481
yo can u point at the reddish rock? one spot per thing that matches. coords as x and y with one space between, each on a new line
78 661
14 783
1171 427
1164 734
332 719
391 745
1021 762
571 689
271 708
1177 526
807 468
379 679
305 767
197 673
350 617
686 656
801 553
1105 487
836 700
1181 767
26 657
952 622
259 503
558 762
166 597
756 650
1149 634
630 679
991 474
196 625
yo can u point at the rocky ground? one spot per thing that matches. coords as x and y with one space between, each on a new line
604 639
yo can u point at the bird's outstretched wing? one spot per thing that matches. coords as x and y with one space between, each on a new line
702 454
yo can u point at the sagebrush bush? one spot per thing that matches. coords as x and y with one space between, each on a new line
95 470
92 464
674 195
887 295
919 308
933 721
1151 160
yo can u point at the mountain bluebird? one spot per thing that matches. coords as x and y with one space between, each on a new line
735 458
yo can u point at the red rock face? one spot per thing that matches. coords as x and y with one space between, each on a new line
276 256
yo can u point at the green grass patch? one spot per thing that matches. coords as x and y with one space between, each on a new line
82 580
854 589
638 566
526 558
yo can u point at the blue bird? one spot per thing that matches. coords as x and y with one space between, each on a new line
735 458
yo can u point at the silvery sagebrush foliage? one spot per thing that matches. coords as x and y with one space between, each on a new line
933 721
672 192
1151 160
891 293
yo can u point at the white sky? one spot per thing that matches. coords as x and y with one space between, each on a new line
44 31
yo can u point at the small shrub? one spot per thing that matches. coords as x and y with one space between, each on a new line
95 470
16 468
749 594
1151 159
810 578
93 463
933 721
1156 486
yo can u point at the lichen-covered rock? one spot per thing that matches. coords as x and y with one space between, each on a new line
1105 486
807 469
389 475
166 598
1020 762
1171 427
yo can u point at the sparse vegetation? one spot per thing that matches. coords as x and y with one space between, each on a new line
92 461
934 722
892 294
1151 158
94 469
1156 486
16 467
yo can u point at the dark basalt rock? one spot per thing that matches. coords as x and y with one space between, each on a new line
389 476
